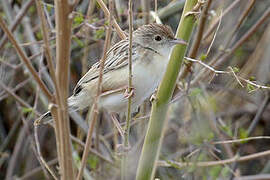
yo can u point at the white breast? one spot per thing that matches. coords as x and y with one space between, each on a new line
146 78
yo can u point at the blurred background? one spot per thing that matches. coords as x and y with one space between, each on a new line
208 107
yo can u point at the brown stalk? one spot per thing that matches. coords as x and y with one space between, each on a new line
247 35
91 6
25 60
60 114
16 22
243 39
213 163
18 99
198 38
48 55
240 21
212 28
114 23
94 111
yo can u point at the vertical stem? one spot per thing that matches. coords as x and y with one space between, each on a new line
94 110
128 117
157 123
126 144
60 114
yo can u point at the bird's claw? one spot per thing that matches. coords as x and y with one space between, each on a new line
127 93
196 9
153 96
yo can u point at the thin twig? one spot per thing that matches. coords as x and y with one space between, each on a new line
17 20
215 34
240 21
124 170
241 140
259 113
238 78
47 46
245 37
198 37
226 11
127 129
213 163
18 99
43 162
114 23
34 171
94 110
25 60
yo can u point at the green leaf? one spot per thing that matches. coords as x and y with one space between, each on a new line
39 35
243 133
236 69
100 33
250 88
203 57
27 110
93 162
252 78
78 19
79 42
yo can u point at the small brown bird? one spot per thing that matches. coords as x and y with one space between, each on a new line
151 48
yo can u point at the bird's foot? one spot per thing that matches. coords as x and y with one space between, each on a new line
127 93
153 96
196 11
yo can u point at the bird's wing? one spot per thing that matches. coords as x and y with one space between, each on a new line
117 57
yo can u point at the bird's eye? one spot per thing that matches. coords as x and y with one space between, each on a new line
158 38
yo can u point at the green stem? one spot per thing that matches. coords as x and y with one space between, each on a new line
157 123
124 162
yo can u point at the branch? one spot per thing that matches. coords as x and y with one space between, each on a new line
15 23
157 122
212 163
114 23
25 60
238 78
94 110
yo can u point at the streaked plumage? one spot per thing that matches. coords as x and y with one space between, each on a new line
151 47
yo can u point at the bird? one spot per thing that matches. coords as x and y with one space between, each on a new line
151 48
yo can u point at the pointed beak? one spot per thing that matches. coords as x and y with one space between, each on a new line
179 41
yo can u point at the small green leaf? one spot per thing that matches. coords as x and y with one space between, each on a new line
203 57
39 35
78 19
49 8
79 42
93 162
243 133
100 33
27 110
252 78
250 88
236 69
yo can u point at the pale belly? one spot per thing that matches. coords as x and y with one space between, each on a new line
145 81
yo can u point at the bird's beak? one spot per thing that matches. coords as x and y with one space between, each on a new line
179 41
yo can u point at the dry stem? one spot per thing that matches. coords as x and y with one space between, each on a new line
94 110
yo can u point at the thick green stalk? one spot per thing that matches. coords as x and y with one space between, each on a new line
157 123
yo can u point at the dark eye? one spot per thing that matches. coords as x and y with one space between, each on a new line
158 38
